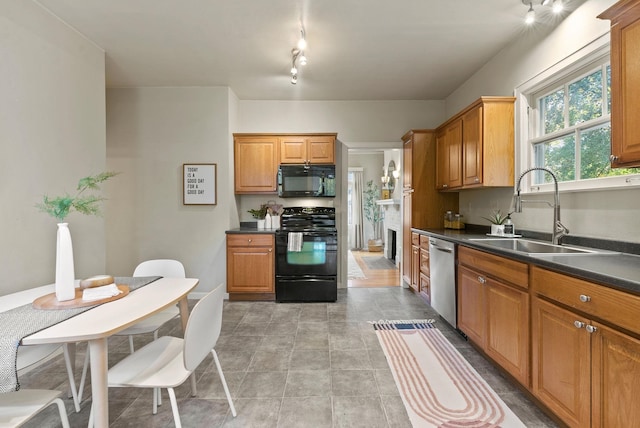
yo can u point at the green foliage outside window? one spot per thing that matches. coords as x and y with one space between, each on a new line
582 151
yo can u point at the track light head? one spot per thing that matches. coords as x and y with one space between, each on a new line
530 17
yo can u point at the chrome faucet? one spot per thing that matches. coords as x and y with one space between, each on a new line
559 230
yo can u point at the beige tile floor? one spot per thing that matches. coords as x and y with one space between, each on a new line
287 365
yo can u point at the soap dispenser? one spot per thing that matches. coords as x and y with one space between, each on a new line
508 226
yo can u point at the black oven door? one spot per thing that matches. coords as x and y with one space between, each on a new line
315 255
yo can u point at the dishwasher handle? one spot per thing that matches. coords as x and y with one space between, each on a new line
435 246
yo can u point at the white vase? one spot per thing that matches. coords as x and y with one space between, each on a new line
65 275
497 229
261 223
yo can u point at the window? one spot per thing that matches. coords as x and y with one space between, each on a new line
569 126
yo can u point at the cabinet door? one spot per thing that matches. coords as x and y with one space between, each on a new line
406 236
321 149
255 164
425 287
293 150
471 305
415 268
250 270
442 169
625 83
561 362
616 379
507 339
407 165
472 147
453 155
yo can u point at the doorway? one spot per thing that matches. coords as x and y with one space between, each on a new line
373 267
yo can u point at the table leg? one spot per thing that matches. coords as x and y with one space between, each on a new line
98 352
183 305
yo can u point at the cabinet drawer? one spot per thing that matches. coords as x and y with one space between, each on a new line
415 239
243 240
512 271
424 261
604 303
424 242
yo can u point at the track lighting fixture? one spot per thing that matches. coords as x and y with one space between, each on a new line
557 6
298 57
530 17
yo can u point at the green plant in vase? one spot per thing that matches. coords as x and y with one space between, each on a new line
59 208
372 213
497 220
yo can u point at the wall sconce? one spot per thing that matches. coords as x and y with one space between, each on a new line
557 6
298 56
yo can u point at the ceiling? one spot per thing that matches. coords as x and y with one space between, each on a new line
357 49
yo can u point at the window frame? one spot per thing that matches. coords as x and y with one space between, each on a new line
564 72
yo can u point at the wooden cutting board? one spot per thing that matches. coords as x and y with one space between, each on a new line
49 301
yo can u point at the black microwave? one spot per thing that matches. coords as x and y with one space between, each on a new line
296 181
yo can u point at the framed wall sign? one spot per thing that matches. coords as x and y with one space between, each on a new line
199 184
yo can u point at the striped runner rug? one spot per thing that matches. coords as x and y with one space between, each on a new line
438 386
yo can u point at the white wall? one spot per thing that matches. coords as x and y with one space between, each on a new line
601 214
354 121
52 119
152 133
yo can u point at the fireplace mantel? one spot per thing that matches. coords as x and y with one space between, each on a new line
388 202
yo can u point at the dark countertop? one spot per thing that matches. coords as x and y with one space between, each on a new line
615 270
249 230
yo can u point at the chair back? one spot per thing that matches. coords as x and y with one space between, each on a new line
203 328
161 267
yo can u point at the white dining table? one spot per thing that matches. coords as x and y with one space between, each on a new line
96 325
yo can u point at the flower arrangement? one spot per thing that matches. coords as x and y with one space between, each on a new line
60 207
496 217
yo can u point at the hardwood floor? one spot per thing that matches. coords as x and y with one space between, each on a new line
374 277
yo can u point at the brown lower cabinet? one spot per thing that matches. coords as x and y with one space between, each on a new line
493 308
425 280
585 371
251 266
582 339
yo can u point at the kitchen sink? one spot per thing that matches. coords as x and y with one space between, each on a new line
533 248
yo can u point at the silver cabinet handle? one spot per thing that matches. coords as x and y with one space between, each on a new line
584 298
481 280
613 158
591 329
444 186
477 180
578 324
249 241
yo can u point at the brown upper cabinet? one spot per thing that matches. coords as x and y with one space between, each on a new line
257 156
476 146
625 82
255 163
318 148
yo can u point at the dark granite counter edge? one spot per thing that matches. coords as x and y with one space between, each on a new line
464 237
249 230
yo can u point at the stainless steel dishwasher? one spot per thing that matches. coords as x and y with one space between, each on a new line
442 268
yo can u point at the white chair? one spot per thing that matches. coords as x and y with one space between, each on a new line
34 354
161 267
18 407
168 361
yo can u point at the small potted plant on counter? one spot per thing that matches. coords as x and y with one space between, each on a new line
497 220
259 215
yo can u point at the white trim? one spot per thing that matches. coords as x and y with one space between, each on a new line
590 53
